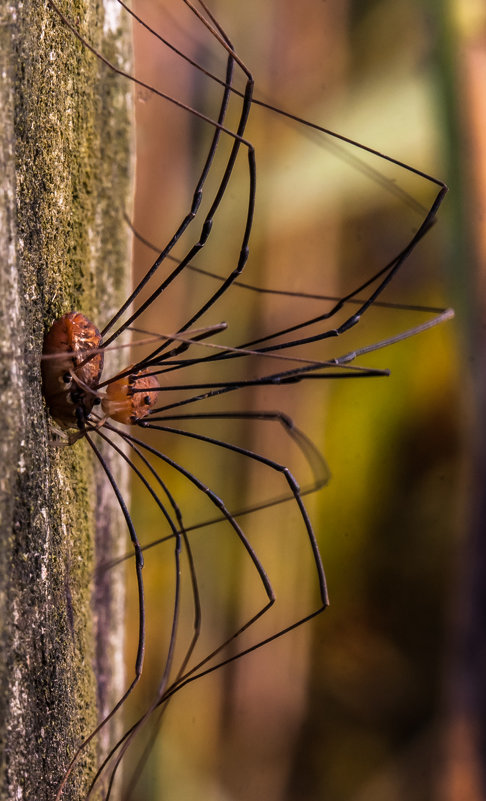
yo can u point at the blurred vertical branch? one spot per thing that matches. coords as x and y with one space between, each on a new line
464 40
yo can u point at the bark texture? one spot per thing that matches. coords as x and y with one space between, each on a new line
65 168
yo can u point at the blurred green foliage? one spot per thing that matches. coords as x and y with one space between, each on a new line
348 708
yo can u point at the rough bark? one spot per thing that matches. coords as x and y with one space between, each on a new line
65 152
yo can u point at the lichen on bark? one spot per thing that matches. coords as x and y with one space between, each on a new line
65 151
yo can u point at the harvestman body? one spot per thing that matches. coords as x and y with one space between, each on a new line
74 388
70 384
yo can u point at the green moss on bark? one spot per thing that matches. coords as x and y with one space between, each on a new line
66 153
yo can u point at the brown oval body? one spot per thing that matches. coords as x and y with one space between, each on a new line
131 398
69 341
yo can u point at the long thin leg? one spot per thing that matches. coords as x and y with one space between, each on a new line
216 501
141 624
177 554
310 126
208 221
312 455
289 293
310 534
168 363
124 742
341 363
388 272
207 225
178 534
200 670
218 33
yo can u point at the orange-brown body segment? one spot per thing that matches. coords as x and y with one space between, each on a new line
69 341
131 398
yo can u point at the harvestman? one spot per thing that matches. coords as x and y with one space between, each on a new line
81 398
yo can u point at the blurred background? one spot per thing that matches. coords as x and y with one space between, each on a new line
380 697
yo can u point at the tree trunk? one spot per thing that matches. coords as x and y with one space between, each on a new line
66 169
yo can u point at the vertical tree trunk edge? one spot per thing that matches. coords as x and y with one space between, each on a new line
66 150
